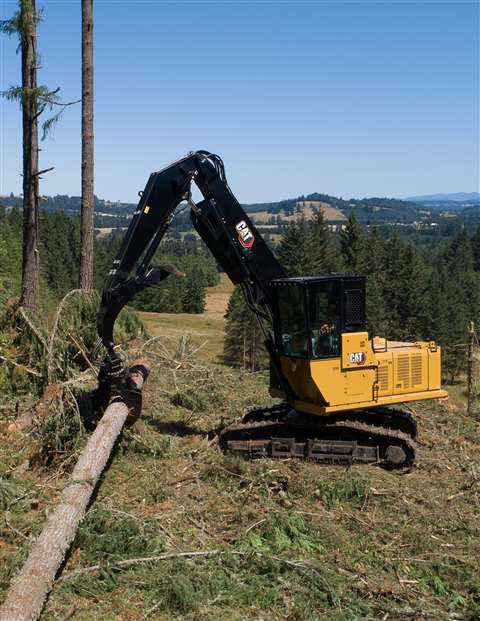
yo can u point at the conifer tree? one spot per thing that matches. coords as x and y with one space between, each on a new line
353 245
243 345
476 249
394 280
460 253
194 297
413 284
293 248
320 253
374 268
60 237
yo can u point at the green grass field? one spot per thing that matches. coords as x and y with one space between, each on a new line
208 327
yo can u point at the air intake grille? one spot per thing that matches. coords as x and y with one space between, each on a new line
354 310
416 369
383 377
403 371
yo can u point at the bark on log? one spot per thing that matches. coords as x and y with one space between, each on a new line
29 590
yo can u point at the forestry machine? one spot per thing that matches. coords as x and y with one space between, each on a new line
337 385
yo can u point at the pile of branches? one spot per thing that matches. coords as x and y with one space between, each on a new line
174 355
48 368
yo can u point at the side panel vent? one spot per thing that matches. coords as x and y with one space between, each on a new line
383 377
403 370
416 369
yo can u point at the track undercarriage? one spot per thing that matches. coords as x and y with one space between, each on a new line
379 435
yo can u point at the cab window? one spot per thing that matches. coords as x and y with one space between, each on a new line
293 338
324 315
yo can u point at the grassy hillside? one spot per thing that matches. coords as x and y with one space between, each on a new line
306 209
207 328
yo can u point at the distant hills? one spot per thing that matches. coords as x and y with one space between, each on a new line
466 203
375 210
368 210
461 197
107 213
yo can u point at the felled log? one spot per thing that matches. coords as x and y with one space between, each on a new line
29 590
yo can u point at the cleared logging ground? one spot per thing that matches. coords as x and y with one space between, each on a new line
279 539
292 540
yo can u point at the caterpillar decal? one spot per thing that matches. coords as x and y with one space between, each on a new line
245 235
357 357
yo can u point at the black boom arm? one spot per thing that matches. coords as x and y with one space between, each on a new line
219 220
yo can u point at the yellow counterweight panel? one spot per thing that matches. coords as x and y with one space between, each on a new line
361 377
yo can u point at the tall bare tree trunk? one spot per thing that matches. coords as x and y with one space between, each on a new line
86 257
471 340
31 257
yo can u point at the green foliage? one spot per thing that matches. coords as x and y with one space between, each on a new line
293 249
306 247
346 490
243 344
193 300
60 238
10 252
282 533
200 394
106 536
175 294
62 432
353 245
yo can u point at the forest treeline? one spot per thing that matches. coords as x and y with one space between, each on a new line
107 213
60 262
414 292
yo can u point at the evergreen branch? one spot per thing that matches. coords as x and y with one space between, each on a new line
42 98
50 123
16 24
14 93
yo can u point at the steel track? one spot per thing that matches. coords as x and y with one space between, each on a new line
385 436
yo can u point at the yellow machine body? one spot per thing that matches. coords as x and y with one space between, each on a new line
368 373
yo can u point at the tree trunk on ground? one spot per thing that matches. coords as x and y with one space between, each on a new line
29 591
31 258
87 231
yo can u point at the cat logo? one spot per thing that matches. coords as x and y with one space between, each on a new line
357 357
245 235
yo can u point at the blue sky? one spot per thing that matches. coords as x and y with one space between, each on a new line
348 98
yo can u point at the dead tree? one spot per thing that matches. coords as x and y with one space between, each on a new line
86 252
29 590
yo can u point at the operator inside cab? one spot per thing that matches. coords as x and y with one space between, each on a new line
313 334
